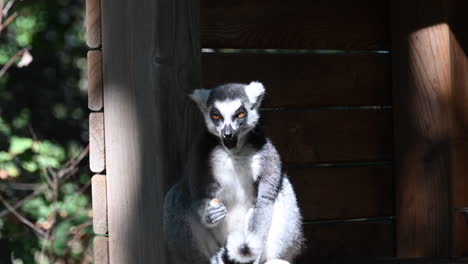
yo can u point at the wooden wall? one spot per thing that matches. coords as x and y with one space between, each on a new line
333 103
330 110
329 113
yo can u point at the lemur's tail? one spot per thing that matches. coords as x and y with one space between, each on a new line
224 257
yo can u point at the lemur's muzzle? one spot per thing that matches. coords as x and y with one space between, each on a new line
229 136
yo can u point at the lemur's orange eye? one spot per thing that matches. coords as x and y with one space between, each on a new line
215 117
241 115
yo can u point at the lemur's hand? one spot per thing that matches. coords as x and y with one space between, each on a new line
212 212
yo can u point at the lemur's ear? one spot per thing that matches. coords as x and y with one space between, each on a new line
255 92
200 96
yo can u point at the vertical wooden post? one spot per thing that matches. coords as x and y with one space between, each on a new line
151 61
458 22
422 127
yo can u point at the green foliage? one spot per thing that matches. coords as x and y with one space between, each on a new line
42 127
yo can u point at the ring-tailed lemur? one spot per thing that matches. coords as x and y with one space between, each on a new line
234 204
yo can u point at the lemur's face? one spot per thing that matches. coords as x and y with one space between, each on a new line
230 110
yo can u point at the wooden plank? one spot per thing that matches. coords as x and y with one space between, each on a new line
93 23
333 193
304 24
151 61
459 65
97 158
422 91
99 194
330 136
338 242
94 80
306 80
101 250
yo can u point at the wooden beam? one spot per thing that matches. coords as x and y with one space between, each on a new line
97 156
151 61
306 80
459 65
99 194
422 127
93 23
302 24
330 136
101 250
346 192
340 242
94 80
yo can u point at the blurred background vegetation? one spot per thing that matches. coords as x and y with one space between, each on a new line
45 209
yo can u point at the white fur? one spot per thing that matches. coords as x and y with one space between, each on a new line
256 165
254 92
227 109
234 173
237 239
252 118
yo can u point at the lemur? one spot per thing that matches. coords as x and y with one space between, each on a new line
234 204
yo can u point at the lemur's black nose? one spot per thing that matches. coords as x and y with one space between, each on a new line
227 132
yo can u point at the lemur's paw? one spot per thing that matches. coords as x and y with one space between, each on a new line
243 248
214 212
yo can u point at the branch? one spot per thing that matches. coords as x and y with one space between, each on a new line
22 218
7 7
31 196
1 11
8 21
11 61
69 168
20 186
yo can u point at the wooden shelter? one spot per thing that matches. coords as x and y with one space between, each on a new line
367 103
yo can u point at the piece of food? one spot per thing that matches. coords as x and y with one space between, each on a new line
215 202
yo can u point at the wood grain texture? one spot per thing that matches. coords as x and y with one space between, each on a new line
99 193
93 23
330 136
304 24
306 80
422 92
101 250
337 193
340 242
95 101
459 67
97 153
151 61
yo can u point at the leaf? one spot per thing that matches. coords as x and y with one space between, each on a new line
62 234
12 170
4 128
47 148
5 156
30 166
45 162
32 207
20 144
